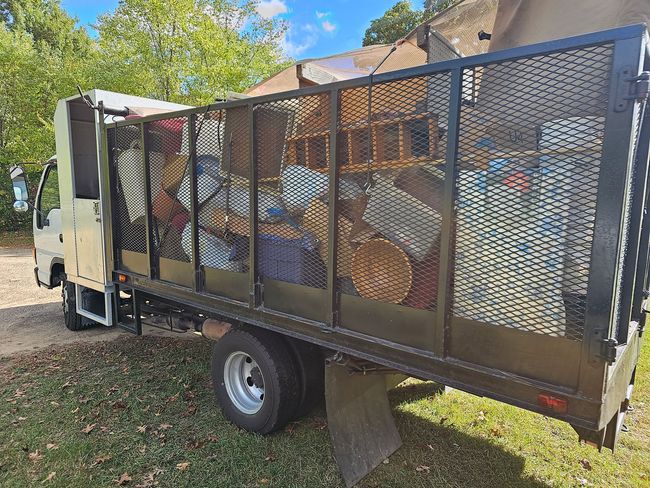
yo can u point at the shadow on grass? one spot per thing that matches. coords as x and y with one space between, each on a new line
435 454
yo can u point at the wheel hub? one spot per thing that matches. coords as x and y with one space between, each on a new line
244 382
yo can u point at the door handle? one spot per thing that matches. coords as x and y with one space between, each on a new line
60 237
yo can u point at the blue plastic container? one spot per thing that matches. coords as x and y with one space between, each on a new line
291 260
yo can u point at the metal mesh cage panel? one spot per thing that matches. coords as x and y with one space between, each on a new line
222 169
391 174
526 188
128 163
169 178
292 156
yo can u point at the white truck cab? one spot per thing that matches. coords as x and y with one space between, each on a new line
70 222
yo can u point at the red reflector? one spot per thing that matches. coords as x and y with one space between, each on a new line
121 278
558 405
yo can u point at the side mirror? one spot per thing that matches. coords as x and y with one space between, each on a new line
19 182
21 206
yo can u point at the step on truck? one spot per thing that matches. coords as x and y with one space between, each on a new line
479 222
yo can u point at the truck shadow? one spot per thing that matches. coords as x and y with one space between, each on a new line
439 454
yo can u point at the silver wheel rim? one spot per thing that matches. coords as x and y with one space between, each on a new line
244 382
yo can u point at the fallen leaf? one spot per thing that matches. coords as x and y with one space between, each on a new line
88 428
191 409
52 447
123 479
496 432
165 426
585 464
100 460
423 469
213 438
35 456
264 481
183 466
443 420
481 416
49 477
142 429
385 461
19 393
271 457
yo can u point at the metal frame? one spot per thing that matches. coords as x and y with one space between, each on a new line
432 358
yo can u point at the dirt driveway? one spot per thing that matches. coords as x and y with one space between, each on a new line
31 318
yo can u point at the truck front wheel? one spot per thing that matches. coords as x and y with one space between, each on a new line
73 321
255 379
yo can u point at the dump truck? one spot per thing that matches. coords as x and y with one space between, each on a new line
480 222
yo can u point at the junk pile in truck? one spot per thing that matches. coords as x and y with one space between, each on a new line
478 221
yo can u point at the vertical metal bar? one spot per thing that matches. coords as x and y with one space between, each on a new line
630 293
445 271
197 282
137 312
615 170
333 214
151 251
610 211
110 168
255 293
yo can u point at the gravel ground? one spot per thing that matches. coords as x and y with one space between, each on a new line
31 318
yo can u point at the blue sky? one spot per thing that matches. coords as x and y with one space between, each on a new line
316 28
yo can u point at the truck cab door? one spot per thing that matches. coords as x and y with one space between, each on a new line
48 233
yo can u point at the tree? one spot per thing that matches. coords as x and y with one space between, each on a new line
401 19
188 51
396 22
432 7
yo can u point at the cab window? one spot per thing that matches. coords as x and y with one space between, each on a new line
49 196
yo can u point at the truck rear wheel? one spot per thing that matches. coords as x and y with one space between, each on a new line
73 321
255 379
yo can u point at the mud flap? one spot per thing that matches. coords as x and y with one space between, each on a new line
360 421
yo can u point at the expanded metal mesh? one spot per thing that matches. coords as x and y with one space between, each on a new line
169 184
128 164
391 174
222 164
292 156
530 148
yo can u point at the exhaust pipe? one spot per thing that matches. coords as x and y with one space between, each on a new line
214 330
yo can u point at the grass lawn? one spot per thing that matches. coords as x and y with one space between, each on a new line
140 412
16 238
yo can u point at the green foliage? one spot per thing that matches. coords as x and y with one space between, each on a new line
398 21
188 51
401 19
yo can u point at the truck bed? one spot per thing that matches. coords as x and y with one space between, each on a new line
477 222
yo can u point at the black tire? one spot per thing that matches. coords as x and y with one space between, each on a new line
73 321
311 369
280 382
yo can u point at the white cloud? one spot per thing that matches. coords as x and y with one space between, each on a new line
270 8
328 26
320 15
296 41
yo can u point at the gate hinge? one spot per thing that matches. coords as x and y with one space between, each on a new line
631 88
608 350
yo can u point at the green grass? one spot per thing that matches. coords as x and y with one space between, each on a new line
152 408
16 238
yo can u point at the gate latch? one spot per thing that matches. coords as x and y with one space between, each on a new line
630 88
608 350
